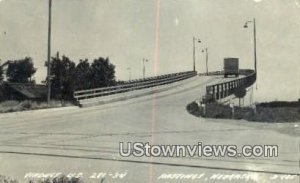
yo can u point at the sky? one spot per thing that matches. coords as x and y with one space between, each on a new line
161 31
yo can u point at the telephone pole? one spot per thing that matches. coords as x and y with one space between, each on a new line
49 55
129 73
206 51
144 67
254 39
194 52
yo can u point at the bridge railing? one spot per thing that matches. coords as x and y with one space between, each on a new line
212 73
225 89
133 85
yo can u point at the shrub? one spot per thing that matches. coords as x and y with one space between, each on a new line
13 106
261 114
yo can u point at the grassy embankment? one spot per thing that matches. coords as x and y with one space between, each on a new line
13 106
264 112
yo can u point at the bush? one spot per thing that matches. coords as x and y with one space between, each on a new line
261 114
13 106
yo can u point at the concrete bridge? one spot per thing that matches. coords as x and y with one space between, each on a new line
86 140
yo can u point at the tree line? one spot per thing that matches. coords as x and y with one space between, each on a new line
66 75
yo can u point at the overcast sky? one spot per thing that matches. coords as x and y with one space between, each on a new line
127 31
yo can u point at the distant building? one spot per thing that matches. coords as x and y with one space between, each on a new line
23 91
20 91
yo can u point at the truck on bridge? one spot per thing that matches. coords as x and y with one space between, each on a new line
231 67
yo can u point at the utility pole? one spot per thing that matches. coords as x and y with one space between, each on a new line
194 64
144 67
49 55
206 50
254 37
194 52
129 73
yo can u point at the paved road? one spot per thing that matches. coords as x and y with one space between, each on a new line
86 140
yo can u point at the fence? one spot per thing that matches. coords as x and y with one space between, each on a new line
133 85
222 90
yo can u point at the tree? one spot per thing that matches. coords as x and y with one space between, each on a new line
83 75
66 77
1 74
20 71
102 73
62 78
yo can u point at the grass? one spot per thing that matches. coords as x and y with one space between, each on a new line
262 113
13 106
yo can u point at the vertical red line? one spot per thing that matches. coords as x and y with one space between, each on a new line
155 71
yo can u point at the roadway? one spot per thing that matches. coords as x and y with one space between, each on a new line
86 140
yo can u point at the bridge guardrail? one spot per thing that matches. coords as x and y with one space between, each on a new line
212 73
222 90
134 85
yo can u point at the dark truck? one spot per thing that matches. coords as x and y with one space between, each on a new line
231 67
